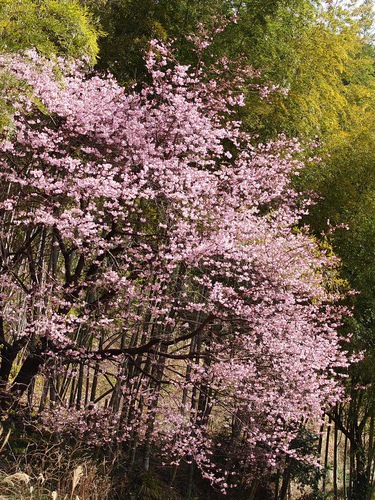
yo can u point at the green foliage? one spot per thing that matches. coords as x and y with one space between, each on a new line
345 182
130 24
51 26
322 61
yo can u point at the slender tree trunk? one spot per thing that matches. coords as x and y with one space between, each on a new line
370 454
285 482
43 397
190 479
80 382
277 484
326 458
344 475
335 457
351 471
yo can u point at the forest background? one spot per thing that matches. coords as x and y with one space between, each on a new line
311 79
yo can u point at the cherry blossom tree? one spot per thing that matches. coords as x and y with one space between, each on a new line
153 275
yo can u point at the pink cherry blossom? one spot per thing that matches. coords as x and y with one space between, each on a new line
152 268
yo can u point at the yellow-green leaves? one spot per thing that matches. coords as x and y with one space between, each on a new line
51 26
324 62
